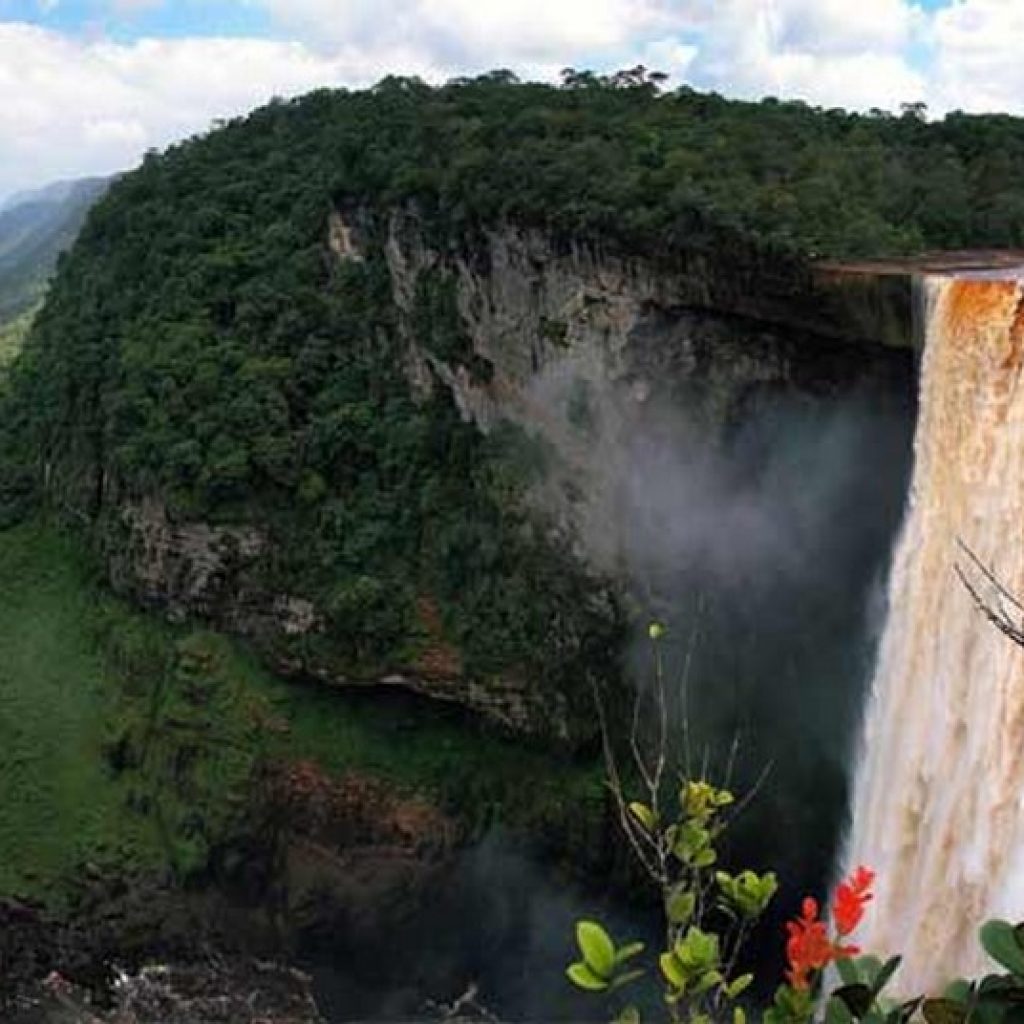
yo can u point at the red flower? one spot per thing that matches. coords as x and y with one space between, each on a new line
808 947
851 896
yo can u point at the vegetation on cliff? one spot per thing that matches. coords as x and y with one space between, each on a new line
12 335
34 229
203 344
129 744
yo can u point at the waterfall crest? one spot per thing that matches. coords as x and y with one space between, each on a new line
938 807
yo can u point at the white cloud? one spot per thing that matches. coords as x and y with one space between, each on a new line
834 52
842 26
481 31
828 52
88 105
91 105
977 56
76 107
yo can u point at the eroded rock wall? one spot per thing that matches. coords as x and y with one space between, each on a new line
583 348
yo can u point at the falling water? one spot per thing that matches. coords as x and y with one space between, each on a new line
939 797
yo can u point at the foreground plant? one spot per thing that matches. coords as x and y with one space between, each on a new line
708 912
708 915
697 966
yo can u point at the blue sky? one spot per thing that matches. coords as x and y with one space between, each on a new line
129 21
89 85
171 18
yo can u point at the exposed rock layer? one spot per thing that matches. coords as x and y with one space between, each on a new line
578 345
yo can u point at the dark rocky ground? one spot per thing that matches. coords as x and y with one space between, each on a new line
139 954
342 859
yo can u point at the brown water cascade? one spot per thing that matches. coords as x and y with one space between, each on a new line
938 806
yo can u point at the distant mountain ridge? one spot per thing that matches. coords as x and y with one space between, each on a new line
53 192
35 227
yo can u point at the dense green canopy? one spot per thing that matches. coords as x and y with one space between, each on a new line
201 343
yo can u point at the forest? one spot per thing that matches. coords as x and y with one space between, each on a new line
202 345
199 343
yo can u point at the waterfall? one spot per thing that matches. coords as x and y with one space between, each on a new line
938 805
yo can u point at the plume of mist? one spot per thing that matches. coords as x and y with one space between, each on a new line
756 520
499 922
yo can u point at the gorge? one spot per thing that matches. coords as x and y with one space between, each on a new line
357 442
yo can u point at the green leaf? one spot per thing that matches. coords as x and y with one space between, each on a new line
690 839
959 990
837 1012
597 948
627 952
884 975
794 1003
749 892
630 1015
989 1011
583 977
705 858
869 968
739 1016
858 998
681 905
997 985
644 815
709 979
697 950
673 970
848 971
943 1011
621 980
999 940
739 985
904 1012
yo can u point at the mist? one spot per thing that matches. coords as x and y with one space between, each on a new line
755 517
499 921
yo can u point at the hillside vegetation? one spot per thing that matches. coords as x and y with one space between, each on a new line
34 229
12 336
128 743
201 343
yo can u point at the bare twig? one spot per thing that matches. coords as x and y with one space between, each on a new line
634 743
751 793
1001 607
684 702
614 781
659 768
659 762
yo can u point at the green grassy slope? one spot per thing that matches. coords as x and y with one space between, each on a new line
57 803
87 683
33 231
12 336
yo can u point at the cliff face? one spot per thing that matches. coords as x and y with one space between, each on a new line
584 350
585 347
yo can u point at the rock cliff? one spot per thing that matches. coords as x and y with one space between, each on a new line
582 348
